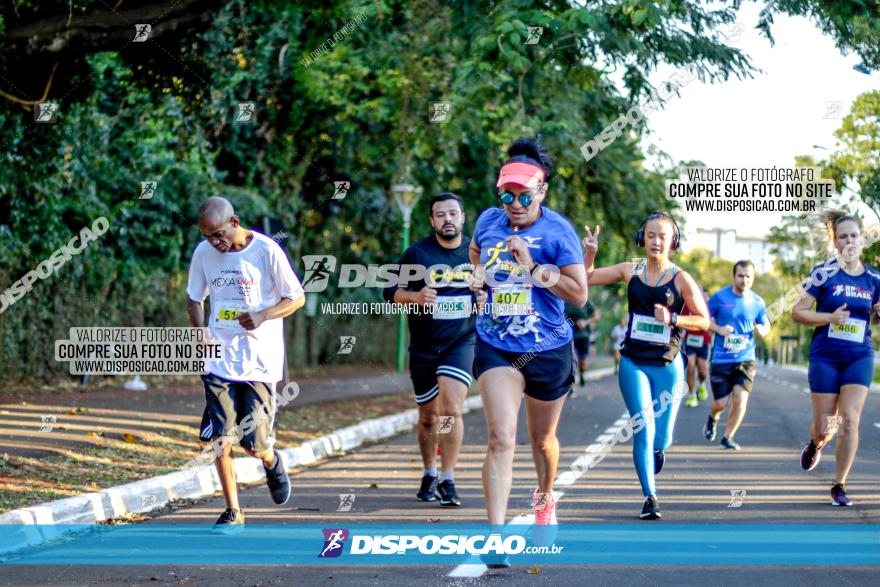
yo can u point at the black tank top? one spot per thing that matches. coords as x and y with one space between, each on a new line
647 340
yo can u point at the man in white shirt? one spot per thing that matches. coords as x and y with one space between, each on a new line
252 287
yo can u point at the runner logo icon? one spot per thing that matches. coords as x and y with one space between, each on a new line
334 540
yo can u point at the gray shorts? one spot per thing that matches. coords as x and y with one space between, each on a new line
242 409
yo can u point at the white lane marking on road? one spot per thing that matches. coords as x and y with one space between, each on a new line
877 424
592 453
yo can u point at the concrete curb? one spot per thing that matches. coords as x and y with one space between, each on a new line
155 492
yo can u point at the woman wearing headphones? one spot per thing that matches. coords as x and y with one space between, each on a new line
651 372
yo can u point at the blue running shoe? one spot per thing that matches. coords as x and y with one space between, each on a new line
729 444
428 490
278 481
838 496
710 428
448 496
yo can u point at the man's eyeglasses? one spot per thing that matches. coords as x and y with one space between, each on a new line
507 198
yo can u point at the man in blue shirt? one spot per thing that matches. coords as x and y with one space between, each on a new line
736 311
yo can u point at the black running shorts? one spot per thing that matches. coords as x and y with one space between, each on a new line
242 409
426 366
549 374
724 376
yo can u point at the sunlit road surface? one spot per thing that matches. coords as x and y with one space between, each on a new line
701 483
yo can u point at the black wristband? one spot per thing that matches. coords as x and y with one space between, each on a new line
673 318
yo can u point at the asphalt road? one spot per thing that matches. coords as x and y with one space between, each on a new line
694 488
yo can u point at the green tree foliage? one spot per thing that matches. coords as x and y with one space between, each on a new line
343 92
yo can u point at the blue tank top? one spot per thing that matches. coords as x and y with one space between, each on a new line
852 340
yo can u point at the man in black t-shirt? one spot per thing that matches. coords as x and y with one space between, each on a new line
441 349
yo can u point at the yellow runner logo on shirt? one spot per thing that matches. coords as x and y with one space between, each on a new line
509 267
494 252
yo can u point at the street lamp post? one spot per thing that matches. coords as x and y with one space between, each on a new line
405 196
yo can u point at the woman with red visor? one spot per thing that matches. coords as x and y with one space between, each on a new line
530 259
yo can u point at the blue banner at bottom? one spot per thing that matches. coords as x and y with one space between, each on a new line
441 544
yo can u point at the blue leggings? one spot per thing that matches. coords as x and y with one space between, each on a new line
641 385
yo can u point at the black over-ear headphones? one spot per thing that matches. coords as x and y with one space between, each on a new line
676 234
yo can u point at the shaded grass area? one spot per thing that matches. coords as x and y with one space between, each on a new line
107 461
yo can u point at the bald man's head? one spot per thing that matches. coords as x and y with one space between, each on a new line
217 209
219 224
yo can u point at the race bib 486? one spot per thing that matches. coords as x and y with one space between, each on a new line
853 331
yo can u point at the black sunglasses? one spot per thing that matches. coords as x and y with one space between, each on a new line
507 198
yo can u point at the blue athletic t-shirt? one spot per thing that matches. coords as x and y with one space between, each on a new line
859 293
740 312
551 240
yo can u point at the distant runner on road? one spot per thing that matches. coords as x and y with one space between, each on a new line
696 348
252 287
441 342
618 335
736 312
584 320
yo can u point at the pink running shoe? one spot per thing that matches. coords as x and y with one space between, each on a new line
545 508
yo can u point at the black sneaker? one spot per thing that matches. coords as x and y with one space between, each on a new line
838 496
729 444
659 459
710 428
278 481
810 457
428 491
448 496
231 520
651 509
495 561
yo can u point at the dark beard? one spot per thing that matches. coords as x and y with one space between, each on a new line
448 237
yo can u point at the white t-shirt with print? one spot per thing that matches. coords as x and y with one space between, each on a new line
250 280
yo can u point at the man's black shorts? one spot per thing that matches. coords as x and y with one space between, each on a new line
723 376
230 402
425 367
582 348
549 374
